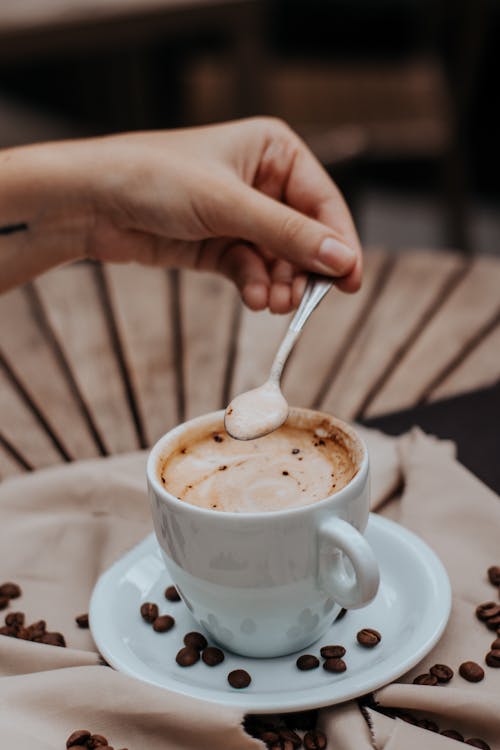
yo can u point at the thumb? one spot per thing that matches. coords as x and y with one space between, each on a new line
288 234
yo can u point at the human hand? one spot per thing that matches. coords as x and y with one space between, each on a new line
246 199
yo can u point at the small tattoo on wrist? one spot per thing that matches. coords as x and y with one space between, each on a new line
12 228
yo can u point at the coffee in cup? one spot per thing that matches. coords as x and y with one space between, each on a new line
287 468
266 571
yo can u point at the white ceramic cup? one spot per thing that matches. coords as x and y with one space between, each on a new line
267 584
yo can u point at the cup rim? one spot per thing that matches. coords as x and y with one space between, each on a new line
211 417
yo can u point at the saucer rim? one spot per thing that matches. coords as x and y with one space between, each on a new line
265 702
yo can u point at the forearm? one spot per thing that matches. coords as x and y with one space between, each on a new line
42 214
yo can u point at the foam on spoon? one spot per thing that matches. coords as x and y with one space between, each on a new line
257 412
262 410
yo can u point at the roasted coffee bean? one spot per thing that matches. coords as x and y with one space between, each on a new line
306 662
212 656
270 737
407 717
10 590
9 631
495 644
442 672
431 726
452 734
368 637
82 621
4 602
195 640
476 742
301 719
78 737
332 652
315 740
494 575
290 737
493 658
97 740
149 612
486 610
471 671
163 623
493 622
53 639
37 629
172 594
23 634
425 679
239 678
187 656
334 665
14 619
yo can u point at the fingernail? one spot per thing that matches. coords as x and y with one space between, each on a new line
336 256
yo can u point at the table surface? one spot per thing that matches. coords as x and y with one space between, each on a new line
98 360
17 15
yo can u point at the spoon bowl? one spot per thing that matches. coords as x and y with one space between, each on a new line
262 410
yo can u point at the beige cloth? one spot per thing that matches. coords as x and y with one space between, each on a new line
60 528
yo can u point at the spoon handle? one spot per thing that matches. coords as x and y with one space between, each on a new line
316 288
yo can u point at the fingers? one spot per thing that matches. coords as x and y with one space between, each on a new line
288 234
352 282
280 296
247 269
328 214
288 171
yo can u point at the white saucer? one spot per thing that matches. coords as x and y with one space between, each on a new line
410 610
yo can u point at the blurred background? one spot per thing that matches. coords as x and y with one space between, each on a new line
396 97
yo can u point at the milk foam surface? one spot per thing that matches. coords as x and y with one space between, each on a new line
288 468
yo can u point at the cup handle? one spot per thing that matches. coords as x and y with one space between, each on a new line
349 591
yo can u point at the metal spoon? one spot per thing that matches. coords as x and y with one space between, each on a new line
262 410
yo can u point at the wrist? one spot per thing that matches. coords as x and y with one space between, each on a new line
39 187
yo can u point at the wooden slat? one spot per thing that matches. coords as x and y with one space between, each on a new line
9 467
22 429
73 305
208 308
472 304
411 293
480 368
258 340
327 335
36 367
142 306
